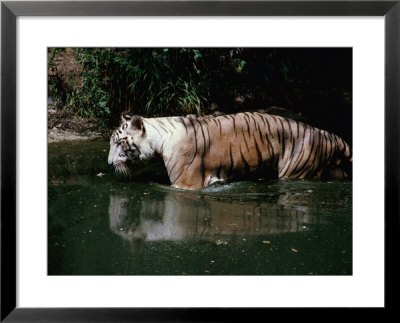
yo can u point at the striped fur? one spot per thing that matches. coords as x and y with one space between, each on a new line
200 151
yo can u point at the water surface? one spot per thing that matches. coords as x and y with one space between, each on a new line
99 224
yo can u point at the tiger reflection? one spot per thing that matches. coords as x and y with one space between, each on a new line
189 216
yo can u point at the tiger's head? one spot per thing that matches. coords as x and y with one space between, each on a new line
129 143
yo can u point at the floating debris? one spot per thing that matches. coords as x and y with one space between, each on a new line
100 174
266 241
294 250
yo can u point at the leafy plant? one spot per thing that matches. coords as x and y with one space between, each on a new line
162 81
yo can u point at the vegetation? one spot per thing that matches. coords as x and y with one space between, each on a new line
100 83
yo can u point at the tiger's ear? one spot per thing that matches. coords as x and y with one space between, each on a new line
125 117
137 124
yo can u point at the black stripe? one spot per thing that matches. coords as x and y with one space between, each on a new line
247 122
204 138
262 119
324 150
162 147
195 139
234 125
283 139
296 168
209 137
310 153
230 155
202 168
169 160
269 128
220 127
246 165
245 141
166 131
178 176
337 142
332 145
290 128
324 156
272 148
170 171
137 148
291 137
311 170
252 116
279 135
183 122
160 122
203 171
260 134
318 155
171 123
290 158
300 156
331 150
259 155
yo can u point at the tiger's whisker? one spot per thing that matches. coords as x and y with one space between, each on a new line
122 169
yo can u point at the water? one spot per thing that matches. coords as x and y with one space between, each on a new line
99 224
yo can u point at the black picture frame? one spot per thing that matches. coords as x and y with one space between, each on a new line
10 10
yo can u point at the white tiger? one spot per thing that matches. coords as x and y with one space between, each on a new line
200 151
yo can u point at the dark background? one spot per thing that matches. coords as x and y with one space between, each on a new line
313 85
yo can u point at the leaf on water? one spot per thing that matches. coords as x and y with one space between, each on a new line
266 241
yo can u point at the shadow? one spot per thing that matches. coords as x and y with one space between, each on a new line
175 215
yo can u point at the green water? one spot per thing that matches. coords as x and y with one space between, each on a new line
104 225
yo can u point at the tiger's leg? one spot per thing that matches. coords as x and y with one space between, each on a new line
192 177
196 178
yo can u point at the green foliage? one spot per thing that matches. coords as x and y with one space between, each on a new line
146 81
172 81
163 81
101 83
